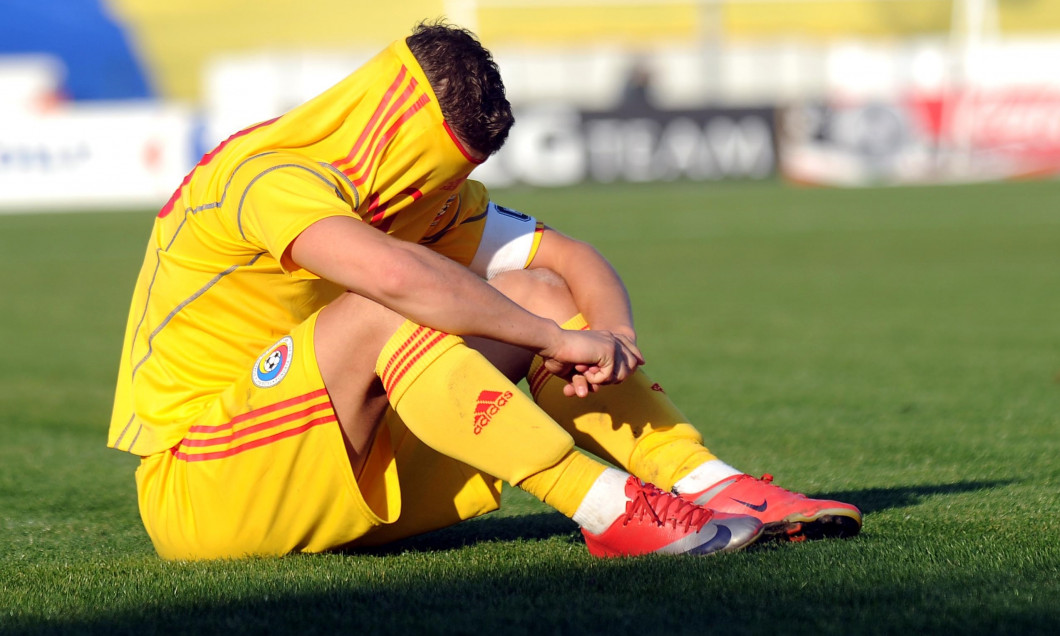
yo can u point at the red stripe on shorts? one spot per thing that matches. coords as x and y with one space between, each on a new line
233 435
242 417
258 443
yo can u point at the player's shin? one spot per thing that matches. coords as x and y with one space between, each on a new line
456 402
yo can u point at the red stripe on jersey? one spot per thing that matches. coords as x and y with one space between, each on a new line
405 116
373 199
258 443
207 158
380 210
459 145
242 417
373 143
387 96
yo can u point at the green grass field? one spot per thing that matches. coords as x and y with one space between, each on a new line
895 348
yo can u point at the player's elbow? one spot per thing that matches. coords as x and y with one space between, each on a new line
391 281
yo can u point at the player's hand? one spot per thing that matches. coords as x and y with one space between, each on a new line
590 359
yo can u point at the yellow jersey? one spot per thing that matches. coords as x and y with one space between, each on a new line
216 287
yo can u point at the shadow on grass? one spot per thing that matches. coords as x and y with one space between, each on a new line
550 524
567 593
872 500
521 590
537 526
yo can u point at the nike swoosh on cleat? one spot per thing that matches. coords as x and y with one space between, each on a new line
719 541
759 508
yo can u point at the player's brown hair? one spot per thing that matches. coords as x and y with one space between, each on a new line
467 82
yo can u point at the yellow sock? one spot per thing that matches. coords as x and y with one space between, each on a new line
457 403
565 485
633 424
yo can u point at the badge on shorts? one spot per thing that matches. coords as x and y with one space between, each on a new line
272 366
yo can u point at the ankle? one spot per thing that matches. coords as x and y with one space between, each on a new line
704 476
605 502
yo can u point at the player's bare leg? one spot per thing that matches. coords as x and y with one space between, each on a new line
350 333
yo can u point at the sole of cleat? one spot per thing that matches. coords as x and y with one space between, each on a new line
823 527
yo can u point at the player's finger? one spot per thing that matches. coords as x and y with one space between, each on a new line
601 373
557 368
581 385
631 348
577 386
630 363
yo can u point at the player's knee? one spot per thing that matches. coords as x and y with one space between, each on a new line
357 321
540 291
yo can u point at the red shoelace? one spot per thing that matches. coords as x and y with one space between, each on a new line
661 507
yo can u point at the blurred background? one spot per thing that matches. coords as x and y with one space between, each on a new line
108 103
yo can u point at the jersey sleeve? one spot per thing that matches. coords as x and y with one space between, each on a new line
486 237
282 198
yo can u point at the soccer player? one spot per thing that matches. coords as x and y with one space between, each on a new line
323 339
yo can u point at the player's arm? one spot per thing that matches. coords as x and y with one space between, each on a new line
598 291
435 291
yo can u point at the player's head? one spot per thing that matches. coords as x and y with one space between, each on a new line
467 83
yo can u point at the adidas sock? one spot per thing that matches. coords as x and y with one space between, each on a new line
604 502
567 485
633 424
704 476
457 403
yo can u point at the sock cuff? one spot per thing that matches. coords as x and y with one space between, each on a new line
604 502
407 353
704 476
537 376
576 323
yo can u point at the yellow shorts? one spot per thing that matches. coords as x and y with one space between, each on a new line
264 471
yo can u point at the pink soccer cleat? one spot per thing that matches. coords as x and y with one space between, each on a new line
787 515
658 522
